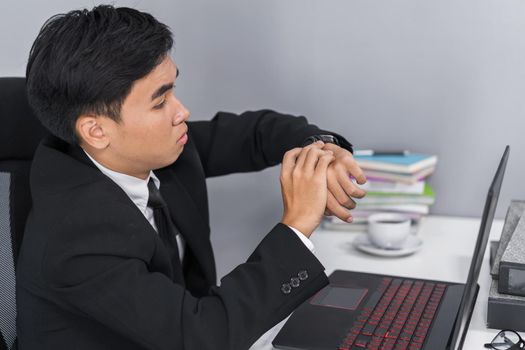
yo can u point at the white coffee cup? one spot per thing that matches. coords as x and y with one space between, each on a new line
388 230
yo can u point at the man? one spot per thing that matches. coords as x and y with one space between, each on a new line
110 262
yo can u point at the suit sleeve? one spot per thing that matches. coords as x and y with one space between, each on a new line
251 141
103 275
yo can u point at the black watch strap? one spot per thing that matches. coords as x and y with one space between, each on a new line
325 138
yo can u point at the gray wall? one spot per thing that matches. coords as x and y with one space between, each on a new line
443 77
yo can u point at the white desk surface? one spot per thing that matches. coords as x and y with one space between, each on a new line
448 245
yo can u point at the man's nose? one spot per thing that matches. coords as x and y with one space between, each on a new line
182 114
185 112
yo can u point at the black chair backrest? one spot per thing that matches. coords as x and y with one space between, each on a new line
20 133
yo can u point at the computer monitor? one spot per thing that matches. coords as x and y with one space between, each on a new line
468 299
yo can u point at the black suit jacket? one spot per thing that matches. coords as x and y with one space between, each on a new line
93 273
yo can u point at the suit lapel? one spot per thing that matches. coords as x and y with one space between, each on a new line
188 219
162 257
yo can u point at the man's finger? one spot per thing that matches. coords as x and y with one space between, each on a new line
299 164
311 159
337 209
289 161
314 157
349 204
335 187
350 188
355 171
323 163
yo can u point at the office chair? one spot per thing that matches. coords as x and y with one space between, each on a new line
20 133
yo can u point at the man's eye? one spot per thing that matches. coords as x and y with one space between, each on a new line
160 105
163 102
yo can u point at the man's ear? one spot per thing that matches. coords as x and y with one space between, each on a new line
91 130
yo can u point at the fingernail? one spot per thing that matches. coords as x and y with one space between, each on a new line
319 142
350 219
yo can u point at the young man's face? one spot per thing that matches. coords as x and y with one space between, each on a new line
152 130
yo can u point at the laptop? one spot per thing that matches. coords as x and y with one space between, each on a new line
370 311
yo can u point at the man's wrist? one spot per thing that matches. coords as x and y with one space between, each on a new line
307 232
329 137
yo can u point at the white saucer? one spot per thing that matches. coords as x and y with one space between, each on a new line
412 245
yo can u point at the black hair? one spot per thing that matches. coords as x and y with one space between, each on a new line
86 61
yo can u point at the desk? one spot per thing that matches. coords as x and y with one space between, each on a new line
448 244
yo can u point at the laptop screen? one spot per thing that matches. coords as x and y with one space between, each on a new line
469 294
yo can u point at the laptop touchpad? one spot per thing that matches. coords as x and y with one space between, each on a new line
339 297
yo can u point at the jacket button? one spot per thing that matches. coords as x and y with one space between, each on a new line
286 288
303 275
295 282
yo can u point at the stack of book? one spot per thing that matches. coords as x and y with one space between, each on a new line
395 183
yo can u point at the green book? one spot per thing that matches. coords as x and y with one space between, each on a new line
427 197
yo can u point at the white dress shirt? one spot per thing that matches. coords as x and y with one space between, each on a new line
137 191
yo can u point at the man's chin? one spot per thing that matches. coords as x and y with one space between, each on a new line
170 161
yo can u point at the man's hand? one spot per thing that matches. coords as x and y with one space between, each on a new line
341 189
304 186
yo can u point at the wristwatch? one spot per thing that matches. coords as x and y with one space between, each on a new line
325 138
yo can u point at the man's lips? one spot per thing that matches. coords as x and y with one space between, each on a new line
184 136
183 139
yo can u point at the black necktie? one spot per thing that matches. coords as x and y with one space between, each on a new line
165 227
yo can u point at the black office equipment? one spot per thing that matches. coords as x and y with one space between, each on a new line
389 312
511 278
514 214
505 311
506 302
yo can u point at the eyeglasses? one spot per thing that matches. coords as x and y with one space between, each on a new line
506 340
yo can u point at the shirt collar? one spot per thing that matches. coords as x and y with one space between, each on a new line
135 188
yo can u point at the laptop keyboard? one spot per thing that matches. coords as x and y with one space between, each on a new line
397 316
